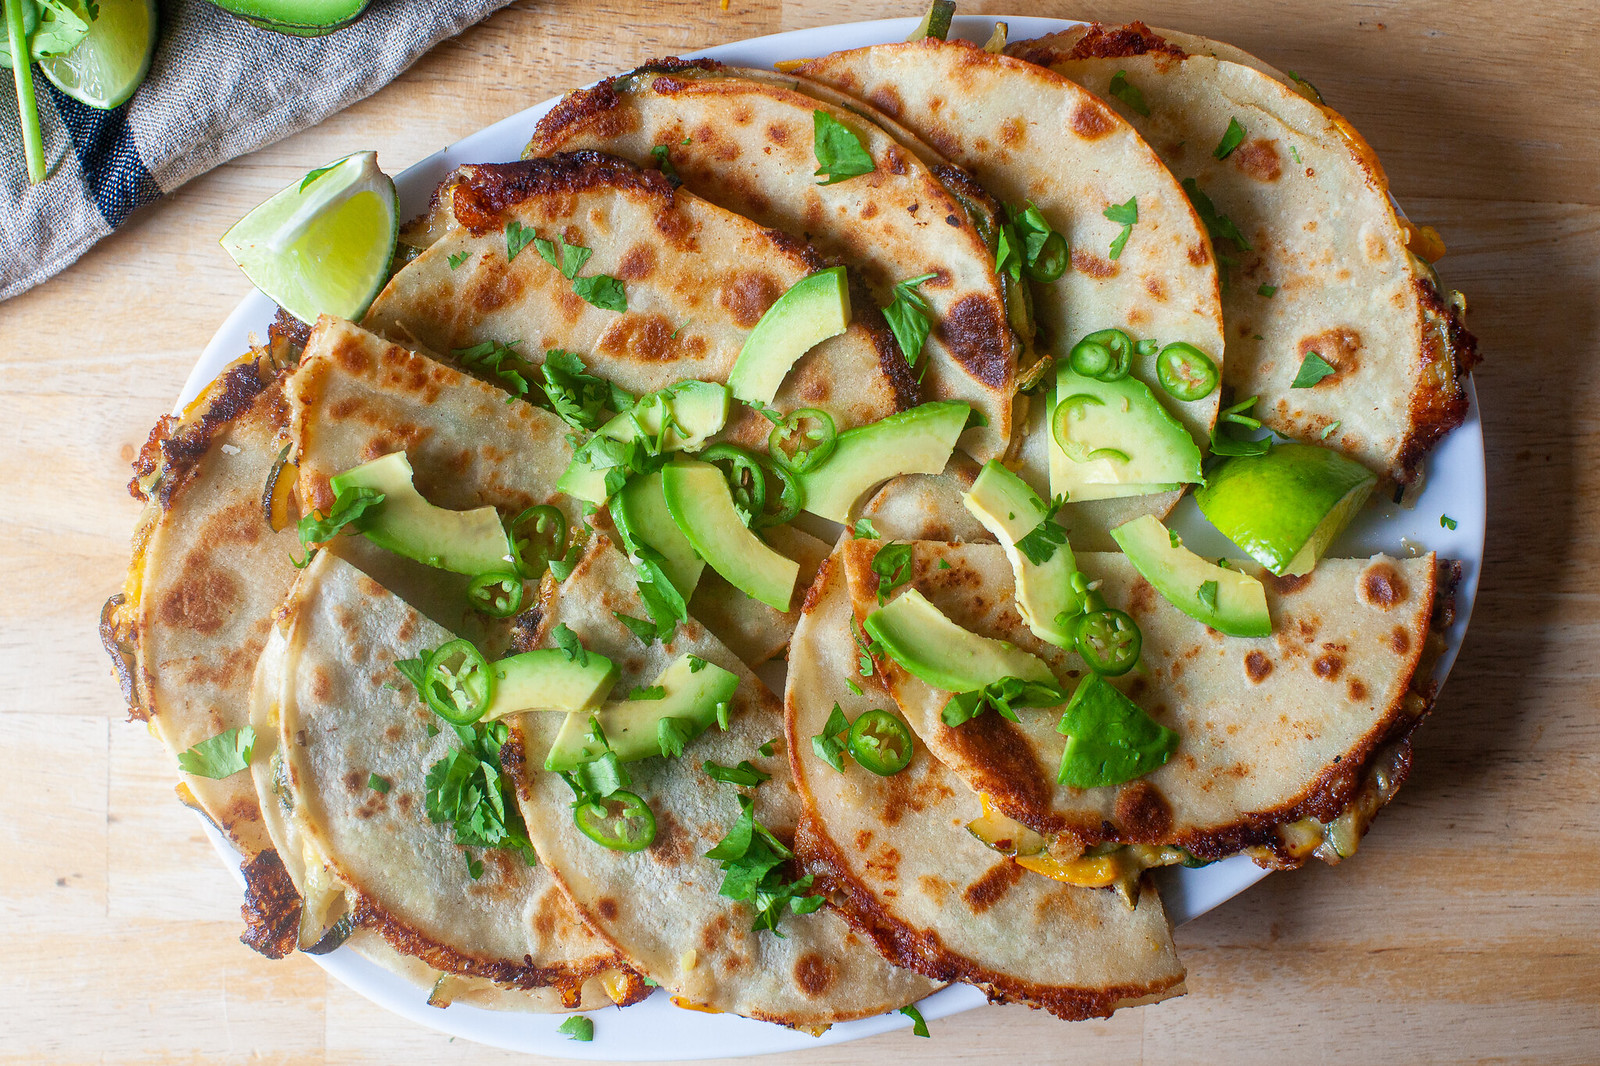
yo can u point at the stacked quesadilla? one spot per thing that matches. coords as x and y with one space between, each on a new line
881 374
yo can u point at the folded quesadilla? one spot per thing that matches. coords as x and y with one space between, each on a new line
1278 736
662 906
1326 286
751 145
932 896
648 284
348 763
211 561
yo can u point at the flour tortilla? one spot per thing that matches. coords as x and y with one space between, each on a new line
1028 134
750 150
1273 729
1312 200
206 573
927 892
696 280
661 906
332 712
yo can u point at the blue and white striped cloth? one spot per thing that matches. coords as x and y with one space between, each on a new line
218 88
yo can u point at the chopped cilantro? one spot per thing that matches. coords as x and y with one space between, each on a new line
1004 695
840 153
766 750
577 1028
1125 215
829 745
555 253
602 290
1231 139
459 258
1228 435
377 784
918 1026
349 506
518 237
500 361
1208 595
1447 522
1220 226
853 687
752 861
648 692
474 867
909 317
1041 542
413 670
1328 430
568 642
1128 94
672 734
744 774
1267 290
664 164
645 631
467 790
864 530
220 756
892 564
944 564
1313 368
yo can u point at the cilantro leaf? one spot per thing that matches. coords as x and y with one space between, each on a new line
1110 739
1005 696
743 774
647 692
467 790
1227 436
378 784
517 238
577 1028
664 164
751 859
645 631
672 734
556 254
1220 226
1267 290
1130 95
413 670
1446 522
1313 368
892 564
1126 215
603 291
918 1026
829 745
839 151
1041 542
1208 595
568 642
501 362
766 750
459 258
220 756
1231 139
909 317
577 396
864 530
348 508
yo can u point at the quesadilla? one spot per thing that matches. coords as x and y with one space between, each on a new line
1277 736
1031 137
211 560
930 895
749 144
1320 269
680 285
348 762
662 906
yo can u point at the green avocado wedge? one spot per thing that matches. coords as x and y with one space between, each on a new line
641 516
918 441
919 637
464 542
701 504
548 679
297 18
1041 559
1286 506
691 691
1110 439
815 308
676 418
1226 600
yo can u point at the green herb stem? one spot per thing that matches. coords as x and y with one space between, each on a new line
27 106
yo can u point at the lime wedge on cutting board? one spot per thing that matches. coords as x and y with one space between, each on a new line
104 68
1285 507
323 245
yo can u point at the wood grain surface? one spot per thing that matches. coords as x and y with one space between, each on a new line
1464 931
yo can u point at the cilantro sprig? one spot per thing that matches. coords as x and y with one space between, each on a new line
752 862
839 151
1041 542
349 506
1004 696
219 756
910 317
1127 216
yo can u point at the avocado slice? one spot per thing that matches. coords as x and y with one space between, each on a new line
1115 440
693 690
918 636
1011 510
641 516
702 506
815 308
1236 604
464 542
692 411
549 680
918 441
297 18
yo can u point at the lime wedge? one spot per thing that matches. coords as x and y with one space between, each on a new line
104 68
323 245
1285 507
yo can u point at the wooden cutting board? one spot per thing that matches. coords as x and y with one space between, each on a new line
1464 931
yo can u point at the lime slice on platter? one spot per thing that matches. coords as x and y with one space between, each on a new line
1286 506
104 68
323 245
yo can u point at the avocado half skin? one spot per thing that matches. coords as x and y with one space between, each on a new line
296 18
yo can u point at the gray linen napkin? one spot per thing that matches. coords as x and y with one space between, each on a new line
218 88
